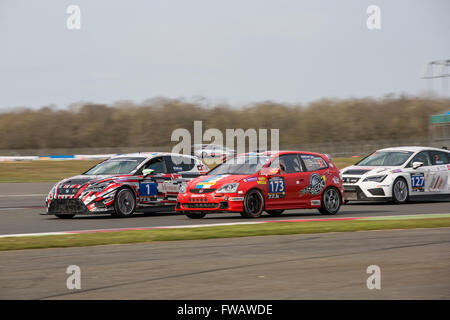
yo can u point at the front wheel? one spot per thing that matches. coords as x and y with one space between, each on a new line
400 191
253 204
195 215
331 202
125 203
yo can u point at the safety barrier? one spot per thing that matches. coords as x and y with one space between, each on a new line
58 157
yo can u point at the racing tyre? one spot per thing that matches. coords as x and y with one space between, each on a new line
124 203
400 192
331 201
253 204
65 216
275 213
196 215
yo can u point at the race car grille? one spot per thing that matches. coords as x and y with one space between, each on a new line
201 190
356 172
68 191
67 206
349 180
200 205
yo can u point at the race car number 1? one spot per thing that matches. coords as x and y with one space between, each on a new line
276 188
148 189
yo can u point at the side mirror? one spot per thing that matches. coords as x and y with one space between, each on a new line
417 164
269 171
147 172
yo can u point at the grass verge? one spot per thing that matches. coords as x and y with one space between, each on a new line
42 170
56 170
264 229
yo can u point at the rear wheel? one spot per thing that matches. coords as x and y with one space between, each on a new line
196 215
275 213
65 216
331 201
400 191
124 203
253 204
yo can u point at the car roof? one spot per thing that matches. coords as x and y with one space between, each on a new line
411 148
149 155
280 152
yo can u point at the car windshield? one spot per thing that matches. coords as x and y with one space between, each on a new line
115 166
385 158
241 165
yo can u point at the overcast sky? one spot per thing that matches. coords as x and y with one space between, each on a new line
229 51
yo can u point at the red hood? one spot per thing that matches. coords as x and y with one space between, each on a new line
216 181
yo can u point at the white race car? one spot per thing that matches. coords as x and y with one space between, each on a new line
399 174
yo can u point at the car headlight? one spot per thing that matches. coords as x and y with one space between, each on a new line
97 187
375 178
183 188
228 188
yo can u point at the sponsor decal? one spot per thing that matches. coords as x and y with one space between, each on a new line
439 183
396 171
417 182
315 202
277 188
251 179
316 184
335 180
262 180
209 182
237 199
177 168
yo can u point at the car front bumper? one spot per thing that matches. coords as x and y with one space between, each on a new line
367 192
212 203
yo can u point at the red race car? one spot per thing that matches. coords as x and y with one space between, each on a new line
270 181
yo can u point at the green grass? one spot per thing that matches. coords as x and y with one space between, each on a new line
43 170
265 229
56 170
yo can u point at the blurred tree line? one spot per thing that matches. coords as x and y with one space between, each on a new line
152 122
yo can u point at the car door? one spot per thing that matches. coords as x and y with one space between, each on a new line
151 187
440 162
315 175
284 187
421 179
183 169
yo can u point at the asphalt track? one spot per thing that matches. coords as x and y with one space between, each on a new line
22 203
415 264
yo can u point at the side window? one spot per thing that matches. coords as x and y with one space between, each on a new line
180 163
422 156
288 163
439 157
157 164
313 163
